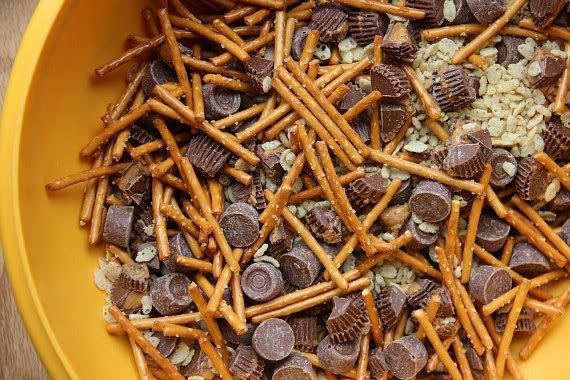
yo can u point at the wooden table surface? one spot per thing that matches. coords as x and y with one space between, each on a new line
18 359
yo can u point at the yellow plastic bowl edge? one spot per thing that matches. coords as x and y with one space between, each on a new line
16 261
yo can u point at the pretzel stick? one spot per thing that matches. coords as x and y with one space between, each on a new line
510 327
397 10
89 194
442 353
361 283
217 361
348 75
433 360
552 30
237 297
217 265
362 366
150 21
85 176
431 312
495 203
120 254
560 102
226 31
238 117
435 127
311 42
145 324
511 364
430 105
272 4
290 25
217 195
482 38
140 361
153 146
197 96
362 105
237 174
490 368
159 221
177 216
223 281
263 123
552 167
375 142
257 17
477 60
452 225
249 46
279 38
462 358
143 343
238 13
467 29
208 67
401 326
317 191
375 323
508 251
475 318
129 55
377 48
316 363
232 84
122 138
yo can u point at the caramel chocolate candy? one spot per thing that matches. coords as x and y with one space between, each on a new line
420 292
219 102
166 344
565 231
325 224
353 96
346 322
499 159
550 70
296 366
492 232
432 8
394 117
557 140
391 81
125 298
487 11
338 358
330 21
420 239
300 266
245 364
488 282
463 14
561 201
118 225
156 73
364 25
135 181
543 12
273 339
528 261
377 363
403 193
280 240
399 43
366 190
507 50
305 331
206 154
169 294
430 201
270 162
531 179
260 70
298 44
464 160
405 357
252 195
391 302
232 337
262 282
178 247
240 225
199 364
453 89
135 277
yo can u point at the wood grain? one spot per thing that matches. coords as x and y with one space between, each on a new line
18 358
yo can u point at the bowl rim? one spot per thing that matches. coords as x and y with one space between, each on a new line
11 234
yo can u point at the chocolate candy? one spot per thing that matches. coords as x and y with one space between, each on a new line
492 232
166 344
464 160
499 159
299 38
346 322
473 359
169 294
394 117
377 363
420 292
453 89
157 72
561 201
403 193
353 96
487 11
528 261
259 70
305 331
366 190
154 262
482 137
432 8
338 358
232 337
563 19
134 181
245 364
364 25
391 81
330 21
300 266
463 14
296 366
125 298
262 282
178 247
118 225
531 179
550 69
438 155
135 277
362 128
446 304
199 364
430 201
206 154
399 43
395 217
391 302
444 327
525 323
252 195
219 102
488 282
280 240
543 12
240 225
405 357
325 224
565 231
557 141
270 162
273 339
420 239
508 50
139 135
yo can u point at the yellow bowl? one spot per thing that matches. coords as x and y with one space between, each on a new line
52 108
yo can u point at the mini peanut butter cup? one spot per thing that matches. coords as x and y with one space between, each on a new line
240 224
403 193
432 8
464 160
438 155
366 190
259 70
525 323
156 73
346 322
391 302
273 339
325 224
399 42
262 282
280 239
178 247
551 68
492 232
198 366
135 277
528 261
487 11
446 304
544 12
474 360
499 159
296 366
531 179
300 266
507 50
362 127
420 292
557 141
270 162
331 22
166 344
453 89
430 201
206 154
561 201
245 364
353 96
377 363
393 118
298 44
391 81
463 14
252 195
482 137
488 282
118 225
305 331
219 102
139 135
152 263
169 294
420 239
405 357
134 181
364 25
338 357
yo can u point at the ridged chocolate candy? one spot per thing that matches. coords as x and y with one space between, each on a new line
403 193
391 81
169 294
438 155
259 70
299 38
245 364
206 154
377 363
262 282
492 232
166 344
430 201
487 11
135 277
432 8
391 302
473 359
394 117
453 89
305 331
296 366
543 12
280 240
366 190
482 137
300 266
240 224
273 339
497 159
399 43
232 337
488 282
528 261
531 179
198 366
338 358
139 135
219 102
420 292
118 225
464 160
346 322
157 72
463 14
361 127
325 224
405 357
270 162
353 96
154 262
330 21
557 141
565 231
178 247
420 239
550 70
364 25
524 323
446 304
561 201
135 181
507 50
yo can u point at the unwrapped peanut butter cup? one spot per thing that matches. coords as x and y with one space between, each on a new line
487 11
492 232
393 118
135 277
252 195
464 160
219 102
525 323
346 322
420 239
325 224
338 358
507 50
139 135
446 304
438 155
300 266
134 181
420 292
405 357
561 201
501 159
565 232
557 141
444 327
246 364
391 302
528 261
240 224
206 154
488 282
156 73
430 201
366 190
453 89
482 137
305 331
118 225
551 68
296 366
403 193
166 344
463 14
331 22
377 363
362 127
273 339
399 42
391 81
280 239
262 282
543 12
432 8
178 247
364 25
169 294
353 96
531 179
473 359
259 70
270 162
198 366
299 38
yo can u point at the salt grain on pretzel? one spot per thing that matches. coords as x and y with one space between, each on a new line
431 107
468 29
431 312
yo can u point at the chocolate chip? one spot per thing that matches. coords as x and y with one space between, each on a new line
305 331
353 96
432 8
338 358
391 81
232 337
508 50
169 294
405 357
135 277
543 12
245 364
199 364
420 239
364 25
528 261
157 72
464 160
219 102
178 247
166 344
134 181
487 11
488 282
391 302
270 161
557 141
240 225
118 225
330 21
366 190
262 282
492 232
300 266
550 70
325 224
453 89
430 201
298 44
561 201
296 366
377 363
346 322
260 70
393 118
531 180
463 14
565 231
206 154
273 339
399 43
498 158
403 193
